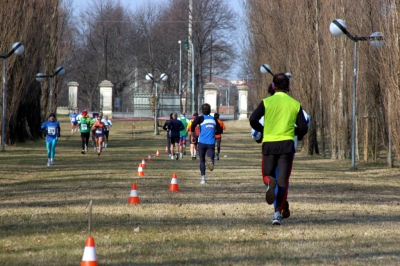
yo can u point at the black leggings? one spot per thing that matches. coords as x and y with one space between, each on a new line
284 162
85 139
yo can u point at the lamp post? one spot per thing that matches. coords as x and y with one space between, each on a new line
338 28
40 78
180 75
17 48
163 77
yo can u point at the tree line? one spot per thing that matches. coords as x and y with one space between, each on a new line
294 36
107 41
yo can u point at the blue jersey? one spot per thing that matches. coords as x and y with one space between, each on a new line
52 130
73 118
207 130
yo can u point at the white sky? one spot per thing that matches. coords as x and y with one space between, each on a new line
134 3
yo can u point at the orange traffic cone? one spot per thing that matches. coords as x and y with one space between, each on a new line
89 257
174 184
143 163
134 198
140 171
166 148
149 158
157 153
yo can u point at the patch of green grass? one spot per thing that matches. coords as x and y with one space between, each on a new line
338 217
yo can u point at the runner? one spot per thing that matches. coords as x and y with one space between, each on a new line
165 127
218 136
98 129
193 136
175 126
183 135
108 124
85 123
52 130
209 126
74 122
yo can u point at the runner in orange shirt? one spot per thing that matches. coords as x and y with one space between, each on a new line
218 137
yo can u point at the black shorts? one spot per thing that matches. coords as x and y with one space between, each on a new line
174 140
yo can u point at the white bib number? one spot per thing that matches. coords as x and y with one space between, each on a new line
84 126
51 131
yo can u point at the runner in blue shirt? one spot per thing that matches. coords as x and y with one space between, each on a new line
209 126
74 121
52 130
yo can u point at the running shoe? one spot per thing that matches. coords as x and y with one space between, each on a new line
51 161
285 210
193 158
270 194
277 219
48 162
83 151
210 164
202 182
176 156
98 153
217 156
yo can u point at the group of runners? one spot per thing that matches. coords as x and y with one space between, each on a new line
99 126
204 131
204 134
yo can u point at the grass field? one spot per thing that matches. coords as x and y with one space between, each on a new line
338 217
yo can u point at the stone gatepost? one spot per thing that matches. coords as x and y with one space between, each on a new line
72 95
210 96
106 97
243 94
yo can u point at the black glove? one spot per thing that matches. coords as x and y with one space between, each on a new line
260 140
58 135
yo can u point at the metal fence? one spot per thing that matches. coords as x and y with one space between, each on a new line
168 103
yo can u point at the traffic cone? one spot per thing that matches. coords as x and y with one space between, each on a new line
89 257
174 184
149 158
134 198
140 171
157 153
143 163
166 148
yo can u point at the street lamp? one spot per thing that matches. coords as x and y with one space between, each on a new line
180 75
163 77
40 77
338 28
17 48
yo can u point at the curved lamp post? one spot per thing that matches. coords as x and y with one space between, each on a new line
40 77
338 28
17 48
163 77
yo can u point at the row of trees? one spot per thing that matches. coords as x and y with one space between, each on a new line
106 41
293 36
122 45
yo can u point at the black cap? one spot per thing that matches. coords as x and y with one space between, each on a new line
52 114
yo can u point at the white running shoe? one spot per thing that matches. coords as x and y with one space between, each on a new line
52 161
106 145
48 162
277 219
203 180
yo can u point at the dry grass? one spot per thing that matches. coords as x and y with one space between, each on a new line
338 217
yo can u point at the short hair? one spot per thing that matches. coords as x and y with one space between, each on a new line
206 109
170 115
281 82
174 115
216 115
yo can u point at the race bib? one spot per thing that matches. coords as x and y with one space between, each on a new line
99 131
51 131
84 126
